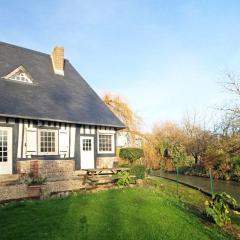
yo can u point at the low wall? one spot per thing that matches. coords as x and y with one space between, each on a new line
60 175
20 191
14 192
62 186
47 168
106 162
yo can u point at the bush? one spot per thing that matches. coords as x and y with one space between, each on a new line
117 151
218 209
198 169
184 170
131 154
236 163
235 174
31 179
138 171
124 178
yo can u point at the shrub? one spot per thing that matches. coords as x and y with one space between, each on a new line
235 174
198 169
124 178
118 151
32 179
236 163
131 154
219 208
184 169
218 165
138 171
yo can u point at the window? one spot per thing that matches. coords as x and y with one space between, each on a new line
20 75
87 145
48 142
3 146
106 143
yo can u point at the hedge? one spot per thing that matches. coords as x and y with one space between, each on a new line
131 154
138 171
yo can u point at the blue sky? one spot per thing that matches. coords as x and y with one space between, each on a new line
165 58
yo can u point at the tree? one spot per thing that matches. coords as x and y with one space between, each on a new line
151 151
122 109
166 136
169 132
131 120
232 110
179 155
197 139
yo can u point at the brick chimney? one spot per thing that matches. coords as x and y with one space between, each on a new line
58 60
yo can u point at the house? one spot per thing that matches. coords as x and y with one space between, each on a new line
50 118
126 139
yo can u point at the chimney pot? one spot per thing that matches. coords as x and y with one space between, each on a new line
58 60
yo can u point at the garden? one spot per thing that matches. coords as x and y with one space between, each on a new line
152 211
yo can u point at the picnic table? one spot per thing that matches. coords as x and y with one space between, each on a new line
105 171
94 176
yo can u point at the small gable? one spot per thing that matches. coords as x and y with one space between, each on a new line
19 74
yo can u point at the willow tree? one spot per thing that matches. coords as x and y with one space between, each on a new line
124 112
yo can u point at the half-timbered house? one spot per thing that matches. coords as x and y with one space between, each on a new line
50 116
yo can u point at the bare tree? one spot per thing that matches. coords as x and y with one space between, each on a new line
232 110
197 138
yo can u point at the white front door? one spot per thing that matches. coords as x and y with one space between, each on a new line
5 150
87 152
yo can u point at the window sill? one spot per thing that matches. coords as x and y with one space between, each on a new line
106 152
48 154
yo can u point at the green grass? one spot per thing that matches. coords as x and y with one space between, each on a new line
139 213
192 198
185 193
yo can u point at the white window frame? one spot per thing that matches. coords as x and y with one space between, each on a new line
19 75
39 141
105 132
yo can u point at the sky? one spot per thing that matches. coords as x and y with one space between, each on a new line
165 58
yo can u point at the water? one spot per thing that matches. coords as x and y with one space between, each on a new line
230 187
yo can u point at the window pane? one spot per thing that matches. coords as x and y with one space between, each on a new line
105 142
3 146
47 141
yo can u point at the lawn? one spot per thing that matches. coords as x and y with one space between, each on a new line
135 213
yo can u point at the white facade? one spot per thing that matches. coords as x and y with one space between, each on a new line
124 139
44 140
31 145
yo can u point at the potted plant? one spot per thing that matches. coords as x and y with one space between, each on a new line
34 185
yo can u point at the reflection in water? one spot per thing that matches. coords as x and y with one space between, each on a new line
232 188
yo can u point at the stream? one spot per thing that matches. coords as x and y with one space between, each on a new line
230 187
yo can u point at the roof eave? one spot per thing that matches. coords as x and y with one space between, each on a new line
62 121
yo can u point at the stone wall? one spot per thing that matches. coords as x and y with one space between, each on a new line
62 186
60 175
106 162
13 192
47 168
20 191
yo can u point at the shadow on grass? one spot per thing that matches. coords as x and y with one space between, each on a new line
109 223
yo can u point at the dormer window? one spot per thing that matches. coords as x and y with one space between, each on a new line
19 74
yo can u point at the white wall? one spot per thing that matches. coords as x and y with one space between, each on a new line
28 144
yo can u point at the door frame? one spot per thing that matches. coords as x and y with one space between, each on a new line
10 130
93 145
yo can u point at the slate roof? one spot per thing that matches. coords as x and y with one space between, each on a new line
66 98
